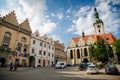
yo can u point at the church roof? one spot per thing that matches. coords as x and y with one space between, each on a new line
109 38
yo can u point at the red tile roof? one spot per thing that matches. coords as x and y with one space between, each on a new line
109 38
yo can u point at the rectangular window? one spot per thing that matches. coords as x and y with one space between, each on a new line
33 41
40 43
52 55
52 48
44 45
44 53
40 52
39 61
49 47
48 54
32 50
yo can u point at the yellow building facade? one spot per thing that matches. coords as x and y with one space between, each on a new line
14 40
59 52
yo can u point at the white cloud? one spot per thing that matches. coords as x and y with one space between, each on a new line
46 28
83 22
35 11
52 14
57 37
116 2
84 18
69 10
58 15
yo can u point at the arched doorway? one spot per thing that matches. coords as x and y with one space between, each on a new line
32 61
85 60
2 62
44 62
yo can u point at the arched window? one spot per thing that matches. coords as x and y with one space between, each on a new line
71 54
6 39
85 52
78 53
23 39
81 52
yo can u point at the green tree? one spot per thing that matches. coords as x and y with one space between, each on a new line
100 51
116 44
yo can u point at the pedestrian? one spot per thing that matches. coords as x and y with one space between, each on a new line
14 67
11 66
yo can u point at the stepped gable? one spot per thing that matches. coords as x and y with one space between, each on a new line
85 38
25 25
11 18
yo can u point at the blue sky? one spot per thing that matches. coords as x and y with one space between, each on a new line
65 19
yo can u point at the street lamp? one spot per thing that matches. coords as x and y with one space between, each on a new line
34 60
115 55
107 49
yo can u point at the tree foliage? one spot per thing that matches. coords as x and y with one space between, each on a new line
100 51
116 45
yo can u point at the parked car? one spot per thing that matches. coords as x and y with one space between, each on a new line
92 69
83 66
60 65
111 69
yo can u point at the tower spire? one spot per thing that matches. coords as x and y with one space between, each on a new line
83 34
96 17
96 13
98 23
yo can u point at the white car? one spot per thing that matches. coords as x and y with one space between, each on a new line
60 65
92 69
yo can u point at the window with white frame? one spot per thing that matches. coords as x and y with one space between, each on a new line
32 50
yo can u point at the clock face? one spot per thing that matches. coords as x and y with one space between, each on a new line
98 26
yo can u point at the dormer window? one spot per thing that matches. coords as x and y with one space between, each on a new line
36 35
107 38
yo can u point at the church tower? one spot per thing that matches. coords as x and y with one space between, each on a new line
98 23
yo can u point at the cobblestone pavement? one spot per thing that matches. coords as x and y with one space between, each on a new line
50 73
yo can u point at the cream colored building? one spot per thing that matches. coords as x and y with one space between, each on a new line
78 47
59 52
42 50
14 40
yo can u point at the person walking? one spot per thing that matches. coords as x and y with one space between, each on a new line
11 66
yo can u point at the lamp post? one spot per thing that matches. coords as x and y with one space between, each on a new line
107 53
107 49
114 52
34 60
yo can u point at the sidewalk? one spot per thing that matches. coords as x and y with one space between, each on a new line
118 66
2 69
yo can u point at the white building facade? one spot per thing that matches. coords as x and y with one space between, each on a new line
41 51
